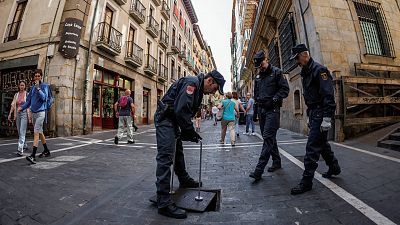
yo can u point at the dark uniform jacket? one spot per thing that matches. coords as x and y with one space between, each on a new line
268 85
318 88
184 98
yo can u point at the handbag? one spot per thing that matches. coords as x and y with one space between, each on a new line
221 111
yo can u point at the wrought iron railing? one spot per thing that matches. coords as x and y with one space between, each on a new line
139 8
153 25
164 37
151 63
109 36
163 71
134 52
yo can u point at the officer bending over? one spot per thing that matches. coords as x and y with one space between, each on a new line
319 98
270 88
173 125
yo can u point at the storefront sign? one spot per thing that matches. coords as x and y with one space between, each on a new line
11 78
70 37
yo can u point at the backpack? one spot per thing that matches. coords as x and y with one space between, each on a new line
50 99
123 101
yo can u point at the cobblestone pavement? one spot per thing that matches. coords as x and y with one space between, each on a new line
89 180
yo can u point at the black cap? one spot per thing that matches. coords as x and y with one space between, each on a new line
219 79
298 49
258 58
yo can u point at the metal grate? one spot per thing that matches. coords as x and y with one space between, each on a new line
374 28
287 38
273 53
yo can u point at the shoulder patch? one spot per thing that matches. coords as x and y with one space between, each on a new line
324 76
190 89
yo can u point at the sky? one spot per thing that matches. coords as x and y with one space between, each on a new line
215 25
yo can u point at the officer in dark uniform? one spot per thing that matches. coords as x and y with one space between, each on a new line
270 88
173 122
319 97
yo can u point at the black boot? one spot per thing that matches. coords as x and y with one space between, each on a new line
301 188
255 176
189 183
173 212
275 166
333 170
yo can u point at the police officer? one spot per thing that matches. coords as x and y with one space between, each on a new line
173 125
319 98
270 88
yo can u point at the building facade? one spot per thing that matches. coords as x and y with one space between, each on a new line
359 42
91 51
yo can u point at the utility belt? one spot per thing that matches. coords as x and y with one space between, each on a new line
269 104
165 110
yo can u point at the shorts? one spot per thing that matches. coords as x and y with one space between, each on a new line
38 119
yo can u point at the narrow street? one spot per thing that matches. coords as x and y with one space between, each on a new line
89 180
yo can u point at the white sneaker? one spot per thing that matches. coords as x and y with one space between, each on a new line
252 134
244 133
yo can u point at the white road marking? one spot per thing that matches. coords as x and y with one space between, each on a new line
15 143
120 145
67 158
65 144
298 210
365 209
47 165
368 152
53 151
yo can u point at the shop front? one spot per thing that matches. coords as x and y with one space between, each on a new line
108 86
11 73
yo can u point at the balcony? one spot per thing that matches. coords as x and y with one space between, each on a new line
151 65
157 2
109 39
174 46
162 73
164 39
138 11
182 54
134 54
152 27
165 10
12 31
121 2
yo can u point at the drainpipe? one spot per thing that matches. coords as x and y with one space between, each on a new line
302 19
88 61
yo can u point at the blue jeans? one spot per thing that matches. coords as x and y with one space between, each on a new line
249 121
22 123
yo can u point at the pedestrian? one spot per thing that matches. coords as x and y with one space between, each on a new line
214 111
270 88
173 125
228 118
21 118
249 115
319 97
134 117
238 103
124 109
38 101
198 120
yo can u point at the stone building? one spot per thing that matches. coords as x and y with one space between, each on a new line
358 40
91 51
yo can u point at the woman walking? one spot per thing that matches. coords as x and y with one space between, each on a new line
198 120
228 118
21 118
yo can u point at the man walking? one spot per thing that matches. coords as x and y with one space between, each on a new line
173 125
37 100
124 109
249 115
270 88
320 101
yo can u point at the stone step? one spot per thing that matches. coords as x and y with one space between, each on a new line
395 136
390 144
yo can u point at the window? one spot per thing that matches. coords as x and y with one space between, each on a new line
374 28
184 73
181 21
297 100
273 53
13 28
108 18
287 38
173 76
131 38
179 71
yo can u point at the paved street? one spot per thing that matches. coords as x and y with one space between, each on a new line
89 180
